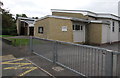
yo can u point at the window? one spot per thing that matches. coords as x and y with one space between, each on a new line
73 27
40 30
77 27
113 26
64 28
81 27
119 26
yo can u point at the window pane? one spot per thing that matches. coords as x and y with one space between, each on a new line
119 26
113 23
77 27
40 29
81 27
113 28
73 27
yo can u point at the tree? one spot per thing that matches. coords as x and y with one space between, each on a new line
35 17
21 15
1 4
8 23
24 15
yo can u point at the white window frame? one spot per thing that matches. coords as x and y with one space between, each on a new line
40 30
113 26
75 25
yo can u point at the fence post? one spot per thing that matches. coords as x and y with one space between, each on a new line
55 53
109 63
31 44
118 65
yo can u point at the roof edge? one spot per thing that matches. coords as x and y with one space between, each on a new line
63 17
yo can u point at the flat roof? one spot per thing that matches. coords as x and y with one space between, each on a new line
63 17
89 13
74 19
29 21
23 18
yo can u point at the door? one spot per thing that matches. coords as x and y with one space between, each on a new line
79 34
31 31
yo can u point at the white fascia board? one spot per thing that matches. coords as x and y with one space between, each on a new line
96 21
62 17
31 25
65 11
102 15
108 16
74 11
23 18
99 21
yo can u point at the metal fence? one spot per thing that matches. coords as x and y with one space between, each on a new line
82 59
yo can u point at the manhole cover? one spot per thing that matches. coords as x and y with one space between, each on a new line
58 69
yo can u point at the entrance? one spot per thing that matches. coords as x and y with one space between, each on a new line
24 28
31 31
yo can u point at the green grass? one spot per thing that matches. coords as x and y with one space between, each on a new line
19 42
6 36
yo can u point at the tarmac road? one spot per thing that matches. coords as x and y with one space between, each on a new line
20 67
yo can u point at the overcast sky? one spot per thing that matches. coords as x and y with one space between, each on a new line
40 8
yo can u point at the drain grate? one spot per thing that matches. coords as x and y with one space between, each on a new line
58 69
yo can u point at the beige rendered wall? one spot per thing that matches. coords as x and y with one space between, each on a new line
56 32
90 18
18 26
94 33
76 15
53 29
42 23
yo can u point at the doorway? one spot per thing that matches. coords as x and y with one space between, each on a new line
31 31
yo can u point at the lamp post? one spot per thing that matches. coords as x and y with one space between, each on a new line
119 25
1 4
119 8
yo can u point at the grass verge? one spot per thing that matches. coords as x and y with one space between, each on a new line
6 36
19 42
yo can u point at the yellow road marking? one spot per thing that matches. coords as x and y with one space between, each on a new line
17 63
15 67
27 71
13 60
7 57
19 66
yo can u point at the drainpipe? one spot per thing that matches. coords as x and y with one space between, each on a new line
85 31
28 32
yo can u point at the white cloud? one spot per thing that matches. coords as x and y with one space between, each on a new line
42 7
